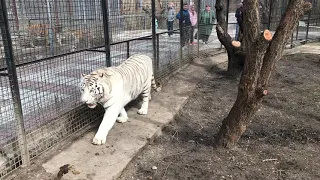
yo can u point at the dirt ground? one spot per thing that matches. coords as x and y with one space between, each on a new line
282 141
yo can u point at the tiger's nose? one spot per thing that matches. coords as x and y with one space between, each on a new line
83 100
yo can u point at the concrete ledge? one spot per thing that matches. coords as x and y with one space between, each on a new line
126 140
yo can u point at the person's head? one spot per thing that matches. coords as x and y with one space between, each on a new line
170 5
208 7
192 7
185 6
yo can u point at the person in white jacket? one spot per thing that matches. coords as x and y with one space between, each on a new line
194 20
170 18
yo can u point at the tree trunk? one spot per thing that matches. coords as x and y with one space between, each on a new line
236 122
235 55
260 58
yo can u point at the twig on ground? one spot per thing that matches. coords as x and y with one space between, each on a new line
179 153
266 160
201 127
165 172
173 136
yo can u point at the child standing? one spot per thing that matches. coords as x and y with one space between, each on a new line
170 18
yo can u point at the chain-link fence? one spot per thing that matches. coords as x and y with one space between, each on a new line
47 44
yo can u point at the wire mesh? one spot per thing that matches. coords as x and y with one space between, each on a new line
50 41
55 41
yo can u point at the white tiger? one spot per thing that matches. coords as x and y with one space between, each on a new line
115 87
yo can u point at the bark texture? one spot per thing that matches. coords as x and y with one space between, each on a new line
261 54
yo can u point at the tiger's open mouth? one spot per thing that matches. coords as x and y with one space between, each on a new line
91 105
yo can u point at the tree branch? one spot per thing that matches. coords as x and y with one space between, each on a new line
223 37
294 11
226 41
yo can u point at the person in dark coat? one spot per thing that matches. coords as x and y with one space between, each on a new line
239 16
184 21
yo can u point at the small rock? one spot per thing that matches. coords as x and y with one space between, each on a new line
191 141
154 167
97 154
150 178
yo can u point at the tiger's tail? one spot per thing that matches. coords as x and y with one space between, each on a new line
154 85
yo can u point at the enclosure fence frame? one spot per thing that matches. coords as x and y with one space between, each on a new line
154 38
180 31
270 10
308 25
14 85
198 27
106 30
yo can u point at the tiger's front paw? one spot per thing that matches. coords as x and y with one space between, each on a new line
143 111
99 139
122 119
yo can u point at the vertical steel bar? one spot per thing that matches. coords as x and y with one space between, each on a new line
282 7
105 14
128 49
14 85
227 15
198 27
180 30
291 46
158 51
297 33
154 40
220 43
270 12
308 25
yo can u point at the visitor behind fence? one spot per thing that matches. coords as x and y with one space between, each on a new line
207 18
170 18
184 21
194 20
239 16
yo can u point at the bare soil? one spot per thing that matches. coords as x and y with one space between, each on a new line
282 141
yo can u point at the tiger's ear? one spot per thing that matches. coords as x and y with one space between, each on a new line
100 74
83 75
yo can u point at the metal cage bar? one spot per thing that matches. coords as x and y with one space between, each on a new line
13 79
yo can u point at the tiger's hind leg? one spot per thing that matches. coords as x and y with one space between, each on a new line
123 117
145 100
154 85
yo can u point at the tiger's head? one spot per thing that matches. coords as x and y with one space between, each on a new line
93 91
